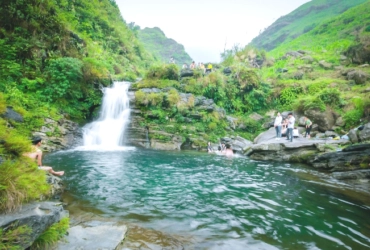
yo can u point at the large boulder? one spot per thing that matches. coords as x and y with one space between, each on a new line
325 120
325 65
256 117
351 158
265 136
187 73
10 114
238 144
37 216
358 76
352 134
364 134
307 59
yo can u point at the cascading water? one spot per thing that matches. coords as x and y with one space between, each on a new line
108 131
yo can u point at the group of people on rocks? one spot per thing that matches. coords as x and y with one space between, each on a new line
200 66
224 149
286 127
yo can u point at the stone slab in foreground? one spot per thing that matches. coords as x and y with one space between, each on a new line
37 216
94 235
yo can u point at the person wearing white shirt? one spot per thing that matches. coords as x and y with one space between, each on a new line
291 121
277 125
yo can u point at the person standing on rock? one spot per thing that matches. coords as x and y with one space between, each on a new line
192 65
291 121
277 125
308 125
209 148
36 154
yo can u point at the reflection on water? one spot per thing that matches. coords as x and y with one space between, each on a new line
214 202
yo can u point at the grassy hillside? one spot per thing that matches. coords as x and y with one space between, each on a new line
300 21
308 75
156 42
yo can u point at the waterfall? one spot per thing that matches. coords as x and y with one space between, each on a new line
108 131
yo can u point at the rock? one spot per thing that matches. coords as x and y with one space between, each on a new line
352 134
265 136
38 216
301 121
186 73
293 54
344 60
232 121
256 117
282 70
303 52
351 158
366 90
93 235
325 65
325 120
298 75
364 65
320 135
227 71
271 114
358 76
340 122
364 134
12 115
269 124
331 134
307 59
352 175
239 144
57 186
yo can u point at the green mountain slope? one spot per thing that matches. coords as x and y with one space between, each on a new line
156 42
300 21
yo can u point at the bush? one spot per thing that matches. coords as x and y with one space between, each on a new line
307 103
163 71
155 99
63 76
353 117
173 97
141 98
331 96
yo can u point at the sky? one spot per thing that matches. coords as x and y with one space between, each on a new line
207 27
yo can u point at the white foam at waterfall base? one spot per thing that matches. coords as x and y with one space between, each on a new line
107 132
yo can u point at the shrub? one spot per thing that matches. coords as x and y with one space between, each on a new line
163 71
155 99
2 103
173 97
307 103
289 95
331 96
63 75
353 117
141 98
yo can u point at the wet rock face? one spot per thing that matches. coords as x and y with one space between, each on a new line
59 135
37 216
351 158
10 114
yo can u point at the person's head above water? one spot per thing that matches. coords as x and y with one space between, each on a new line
35 140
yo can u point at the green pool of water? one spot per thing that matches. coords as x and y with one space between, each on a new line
216 202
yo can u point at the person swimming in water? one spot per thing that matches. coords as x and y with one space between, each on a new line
36 154
228 151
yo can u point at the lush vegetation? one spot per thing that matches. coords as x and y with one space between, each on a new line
163 48
300 21
258 81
